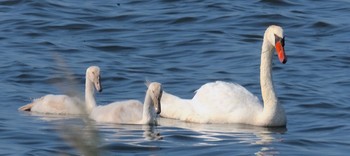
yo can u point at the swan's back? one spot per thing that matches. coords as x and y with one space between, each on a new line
128 112
57 104
222 102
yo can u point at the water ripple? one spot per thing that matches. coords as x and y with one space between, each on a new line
46 47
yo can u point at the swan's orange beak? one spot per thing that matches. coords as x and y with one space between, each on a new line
280 52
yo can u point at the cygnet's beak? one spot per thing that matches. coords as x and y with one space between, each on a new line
157 104
98 85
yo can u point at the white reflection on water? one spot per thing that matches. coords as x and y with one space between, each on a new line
91 138
84 134
128 132
215 134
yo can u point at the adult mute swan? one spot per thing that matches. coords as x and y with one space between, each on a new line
63 104
223 102
132 111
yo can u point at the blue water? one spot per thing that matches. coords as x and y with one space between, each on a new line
47 45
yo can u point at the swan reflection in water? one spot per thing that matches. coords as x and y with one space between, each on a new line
128 133
114 137
114 131
219 134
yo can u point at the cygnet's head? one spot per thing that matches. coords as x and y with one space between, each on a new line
274 35
155 90
93 75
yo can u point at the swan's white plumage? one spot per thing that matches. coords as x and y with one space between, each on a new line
63 104
131 111
176 108
57 104
127 112
215 102
223 102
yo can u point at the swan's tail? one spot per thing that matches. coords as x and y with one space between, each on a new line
26 107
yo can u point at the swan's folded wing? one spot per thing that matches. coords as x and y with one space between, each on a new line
54 104
216 98
129 111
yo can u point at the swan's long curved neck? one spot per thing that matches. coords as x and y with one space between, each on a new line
148 110
267 89
89 95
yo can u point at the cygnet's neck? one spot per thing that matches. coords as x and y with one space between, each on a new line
89 95
148 116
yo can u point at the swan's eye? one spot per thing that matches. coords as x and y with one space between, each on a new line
282 41
279 39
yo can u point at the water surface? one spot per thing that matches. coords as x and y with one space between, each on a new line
47 45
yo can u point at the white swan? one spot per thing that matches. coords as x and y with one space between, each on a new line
63 104
132 111
223 102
